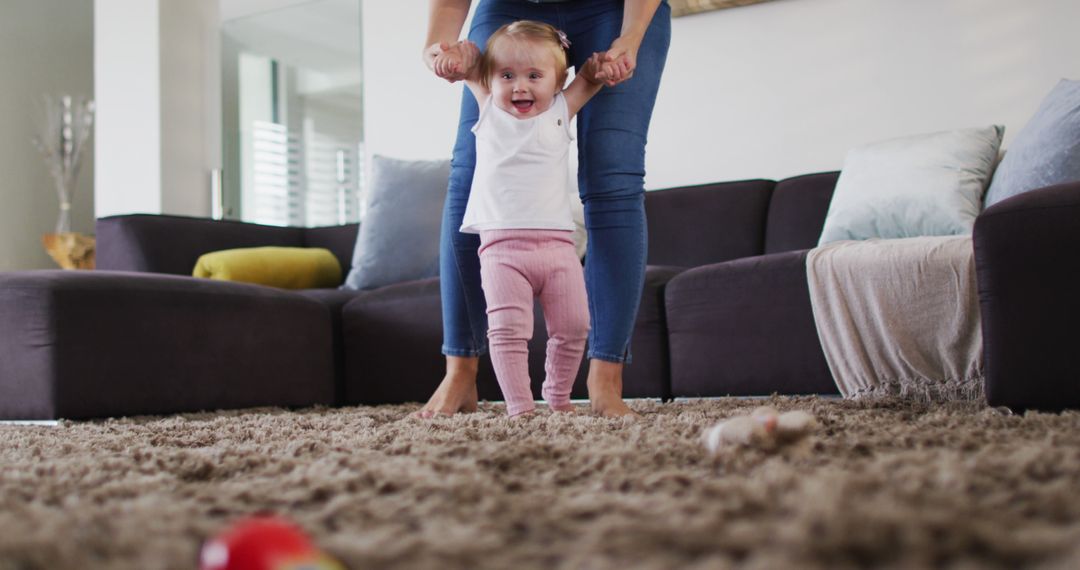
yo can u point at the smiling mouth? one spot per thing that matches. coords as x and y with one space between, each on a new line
522 105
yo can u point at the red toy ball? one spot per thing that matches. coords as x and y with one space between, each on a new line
264 543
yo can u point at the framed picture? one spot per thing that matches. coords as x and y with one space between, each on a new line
687 7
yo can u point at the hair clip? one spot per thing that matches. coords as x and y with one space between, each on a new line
563 40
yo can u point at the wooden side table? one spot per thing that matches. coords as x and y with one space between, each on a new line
70 250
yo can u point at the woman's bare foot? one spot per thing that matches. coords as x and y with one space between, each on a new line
457 391
605 389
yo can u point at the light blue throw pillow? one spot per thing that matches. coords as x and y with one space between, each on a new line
923 185
398 239
1046 151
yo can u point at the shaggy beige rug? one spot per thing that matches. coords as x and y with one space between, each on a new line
889 485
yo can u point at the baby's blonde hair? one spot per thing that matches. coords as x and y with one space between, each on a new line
528 30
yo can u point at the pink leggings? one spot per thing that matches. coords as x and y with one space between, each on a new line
515 267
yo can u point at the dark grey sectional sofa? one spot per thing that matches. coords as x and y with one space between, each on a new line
725 311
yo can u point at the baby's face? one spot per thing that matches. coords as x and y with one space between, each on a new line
523 78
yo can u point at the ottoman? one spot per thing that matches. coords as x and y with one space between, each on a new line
91 344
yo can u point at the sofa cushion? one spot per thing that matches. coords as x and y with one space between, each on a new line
340 240
697 225
283 267
91 344
398 240
745 328
649 373
797 211
335 300
172 244
922 185
1046 151
392 338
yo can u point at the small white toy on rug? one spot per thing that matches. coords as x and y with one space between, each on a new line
765 428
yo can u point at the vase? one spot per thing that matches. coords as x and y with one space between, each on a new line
65 127
70 250
63 220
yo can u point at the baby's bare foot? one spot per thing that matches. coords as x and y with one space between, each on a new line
524 414
562 408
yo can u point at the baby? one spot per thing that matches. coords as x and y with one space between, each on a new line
520 203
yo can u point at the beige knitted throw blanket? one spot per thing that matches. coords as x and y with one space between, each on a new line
899 317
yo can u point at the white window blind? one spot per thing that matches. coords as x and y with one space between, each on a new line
276 177
314 180
333 181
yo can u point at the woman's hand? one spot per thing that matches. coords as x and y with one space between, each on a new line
452 62
618 64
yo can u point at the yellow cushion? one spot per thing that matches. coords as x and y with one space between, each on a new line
285 267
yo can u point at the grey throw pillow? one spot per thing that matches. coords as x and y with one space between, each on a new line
923 185
398 239
1046 151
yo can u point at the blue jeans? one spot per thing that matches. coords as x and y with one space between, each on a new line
612 129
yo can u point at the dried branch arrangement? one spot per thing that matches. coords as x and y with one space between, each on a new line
65 127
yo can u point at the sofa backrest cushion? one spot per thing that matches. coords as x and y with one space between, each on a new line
797 211
1046 151
698 225
340 240
172 244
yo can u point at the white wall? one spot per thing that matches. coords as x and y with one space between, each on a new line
788 87
190 104
408 112
46 46
157 71
128 95
776 89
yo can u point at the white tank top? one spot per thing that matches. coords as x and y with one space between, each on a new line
522 171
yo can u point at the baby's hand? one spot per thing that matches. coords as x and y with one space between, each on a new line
610 71
455 62
470 59
591 68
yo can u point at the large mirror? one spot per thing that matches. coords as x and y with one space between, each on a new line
291 111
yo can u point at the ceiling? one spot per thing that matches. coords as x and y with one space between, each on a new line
321 36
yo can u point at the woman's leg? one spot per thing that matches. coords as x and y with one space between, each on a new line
463 318
612 131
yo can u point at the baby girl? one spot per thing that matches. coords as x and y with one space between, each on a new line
520 203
